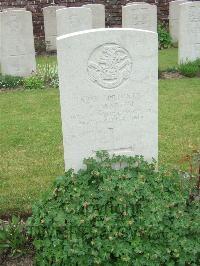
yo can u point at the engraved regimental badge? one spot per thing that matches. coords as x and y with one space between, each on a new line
109 65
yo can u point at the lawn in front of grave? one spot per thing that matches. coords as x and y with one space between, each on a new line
168 59
31 138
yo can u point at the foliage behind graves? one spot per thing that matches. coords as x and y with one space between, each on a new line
164 38
117 211
33 82
48 72
46 75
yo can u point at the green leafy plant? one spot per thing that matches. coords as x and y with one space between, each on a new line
164 38
12 237
48 72
33 82
190 68
117 211
10 82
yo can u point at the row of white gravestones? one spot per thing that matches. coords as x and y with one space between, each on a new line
174 18
108 93
137 15
71 20
140 15
189 32
17 52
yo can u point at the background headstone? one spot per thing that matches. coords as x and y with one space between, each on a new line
189 32
73 19
17 43
98 15
140 16
108 93
174 10
50 26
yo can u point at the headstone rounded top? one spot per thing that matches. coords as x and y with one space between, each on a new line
71 8
137 3
177 1
106 30
52 7
190 3
94 5
14 9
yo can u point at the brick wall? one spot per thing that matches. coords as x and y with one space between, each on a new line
113 10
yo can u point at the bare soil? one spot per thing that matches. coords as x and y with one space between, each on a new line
171 75
26 260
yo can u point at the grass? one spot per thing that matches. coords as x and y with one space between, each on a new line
168 58
41 60
31 146
179 123
31 141
31 152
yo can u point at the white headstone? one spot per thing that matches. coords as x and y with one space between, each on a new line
140 16
174 9
50 26
108 93
73 19
18 52
98 15
189 32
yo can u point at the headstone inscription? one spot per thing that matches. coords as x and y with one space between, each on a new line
108 93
